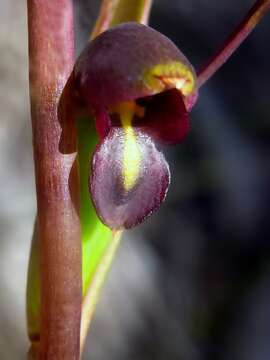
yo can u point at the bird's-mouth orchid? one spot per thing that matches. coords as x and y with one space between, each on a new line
139 87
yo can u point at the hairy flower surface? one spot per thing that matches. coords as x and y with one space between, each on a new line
139 87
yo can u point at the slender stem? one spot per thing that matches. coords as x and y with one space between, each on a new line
92 296
255 14
51 58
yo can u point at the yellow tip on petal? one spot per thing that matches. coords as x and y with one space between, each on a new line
170 75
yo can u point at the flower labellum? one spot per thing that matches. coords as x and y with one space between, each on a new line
140 87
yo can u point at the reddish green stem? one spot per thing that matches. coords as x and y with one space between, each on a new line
51 58
253 17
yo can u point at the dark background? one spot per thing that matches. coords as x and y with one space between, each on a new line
192 283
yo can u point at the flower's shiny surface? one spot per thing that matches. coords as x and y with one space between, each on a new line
139 87
125 196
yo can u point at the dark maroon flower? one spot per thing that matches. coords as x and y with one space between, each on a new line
139 87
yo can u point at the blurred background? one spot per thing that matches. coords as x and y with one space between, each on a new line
193 282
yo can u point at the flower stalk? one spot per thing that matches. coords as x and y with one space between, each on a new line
253 17
51 58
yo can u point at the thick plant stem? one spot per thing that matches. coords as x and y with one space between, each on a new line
253 17
51 57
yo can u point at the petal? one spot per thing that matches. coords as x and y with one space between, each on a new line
166 117
131 61
128 181
103 122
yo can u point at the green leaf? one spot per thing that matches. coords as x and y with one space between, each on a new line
95 235
33 290
135 11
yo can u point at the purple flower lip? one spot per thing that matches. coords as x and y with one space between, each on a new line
140 87
117 206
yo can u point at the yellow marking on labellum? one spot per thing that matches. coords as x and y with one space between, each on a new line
132 154
173 74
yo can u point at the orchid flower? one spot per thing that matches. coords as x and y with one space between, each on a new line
139 87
